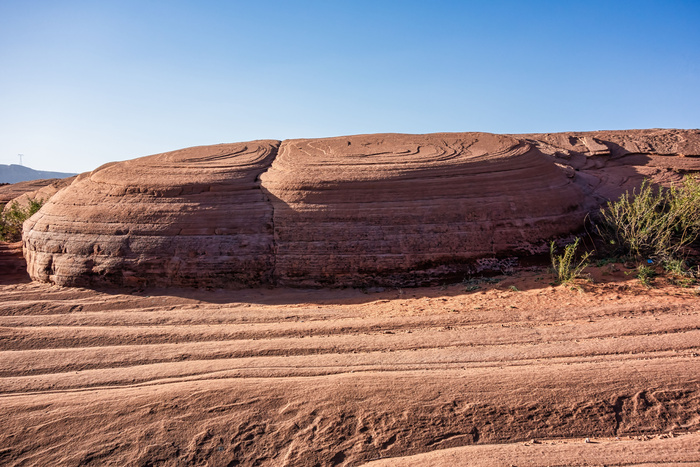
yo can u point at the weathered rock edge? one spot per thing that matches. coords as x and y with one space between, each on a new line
384 209
196 217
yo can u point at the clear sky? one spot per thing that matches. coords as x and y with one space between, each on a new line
87 82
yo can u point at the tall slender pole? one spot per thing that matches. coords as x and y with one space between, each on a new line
20 158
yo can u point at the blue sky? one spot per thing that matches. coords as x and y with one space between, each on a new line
88 82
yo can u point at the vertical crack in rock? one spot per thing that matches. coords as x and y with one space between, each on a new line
271 274
617 408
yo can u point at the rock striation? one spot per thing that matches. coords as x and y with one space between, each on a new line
385 209
193 217
401 209
43 189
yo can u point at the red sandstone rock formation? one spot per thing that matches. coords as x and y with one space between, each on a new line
48 187
383 209
194 217
42 193
400 209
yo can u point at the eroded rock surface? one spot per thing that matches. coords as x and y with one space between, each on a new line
608 163
193 217
40 194
399 209
46 188
369 209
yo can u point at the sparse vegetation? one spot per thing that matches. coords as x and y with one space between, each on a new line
566 268
653 222
646 275
11 219
675 266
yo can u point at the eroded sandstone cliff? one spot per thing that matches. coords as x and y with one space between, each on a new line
369 209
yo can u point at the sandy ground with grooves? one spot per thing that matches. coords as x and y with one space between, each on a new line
505 371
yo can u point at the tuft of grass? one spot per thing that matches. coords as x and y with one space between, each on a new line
646 275
11 219
679 272
675 266
566 268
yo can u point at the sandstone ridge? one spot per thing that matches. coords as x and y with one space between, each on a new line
386 209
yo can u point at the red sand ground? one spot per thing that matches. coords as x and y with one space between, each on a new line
517 372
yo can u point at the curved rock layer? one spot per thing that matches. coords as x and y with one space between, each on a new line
12 191
401 209
193 217
608 163
369 209
40 194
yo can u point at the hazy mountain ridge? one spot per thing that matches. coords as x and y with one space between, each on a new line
15 173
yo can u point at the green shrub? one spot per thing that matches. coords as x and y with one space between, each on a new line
11 219
653 222
646 275
565 267
675 266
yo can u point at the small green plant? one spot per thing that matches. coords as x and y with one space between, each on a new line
514 288
675 266
679 273
566 268
11 219
646 275
653 222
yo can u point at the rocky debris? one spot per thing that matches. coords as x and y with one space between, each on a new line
385 209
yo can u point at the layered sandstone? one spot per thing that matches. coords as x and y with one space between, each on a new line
193 217
35 192
10 192
400 209
608 163
369 209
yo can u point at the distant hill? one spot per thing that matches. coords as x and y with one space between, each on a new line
14 173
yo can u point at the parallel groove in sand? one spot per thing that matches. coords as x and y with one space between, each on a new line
290 382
